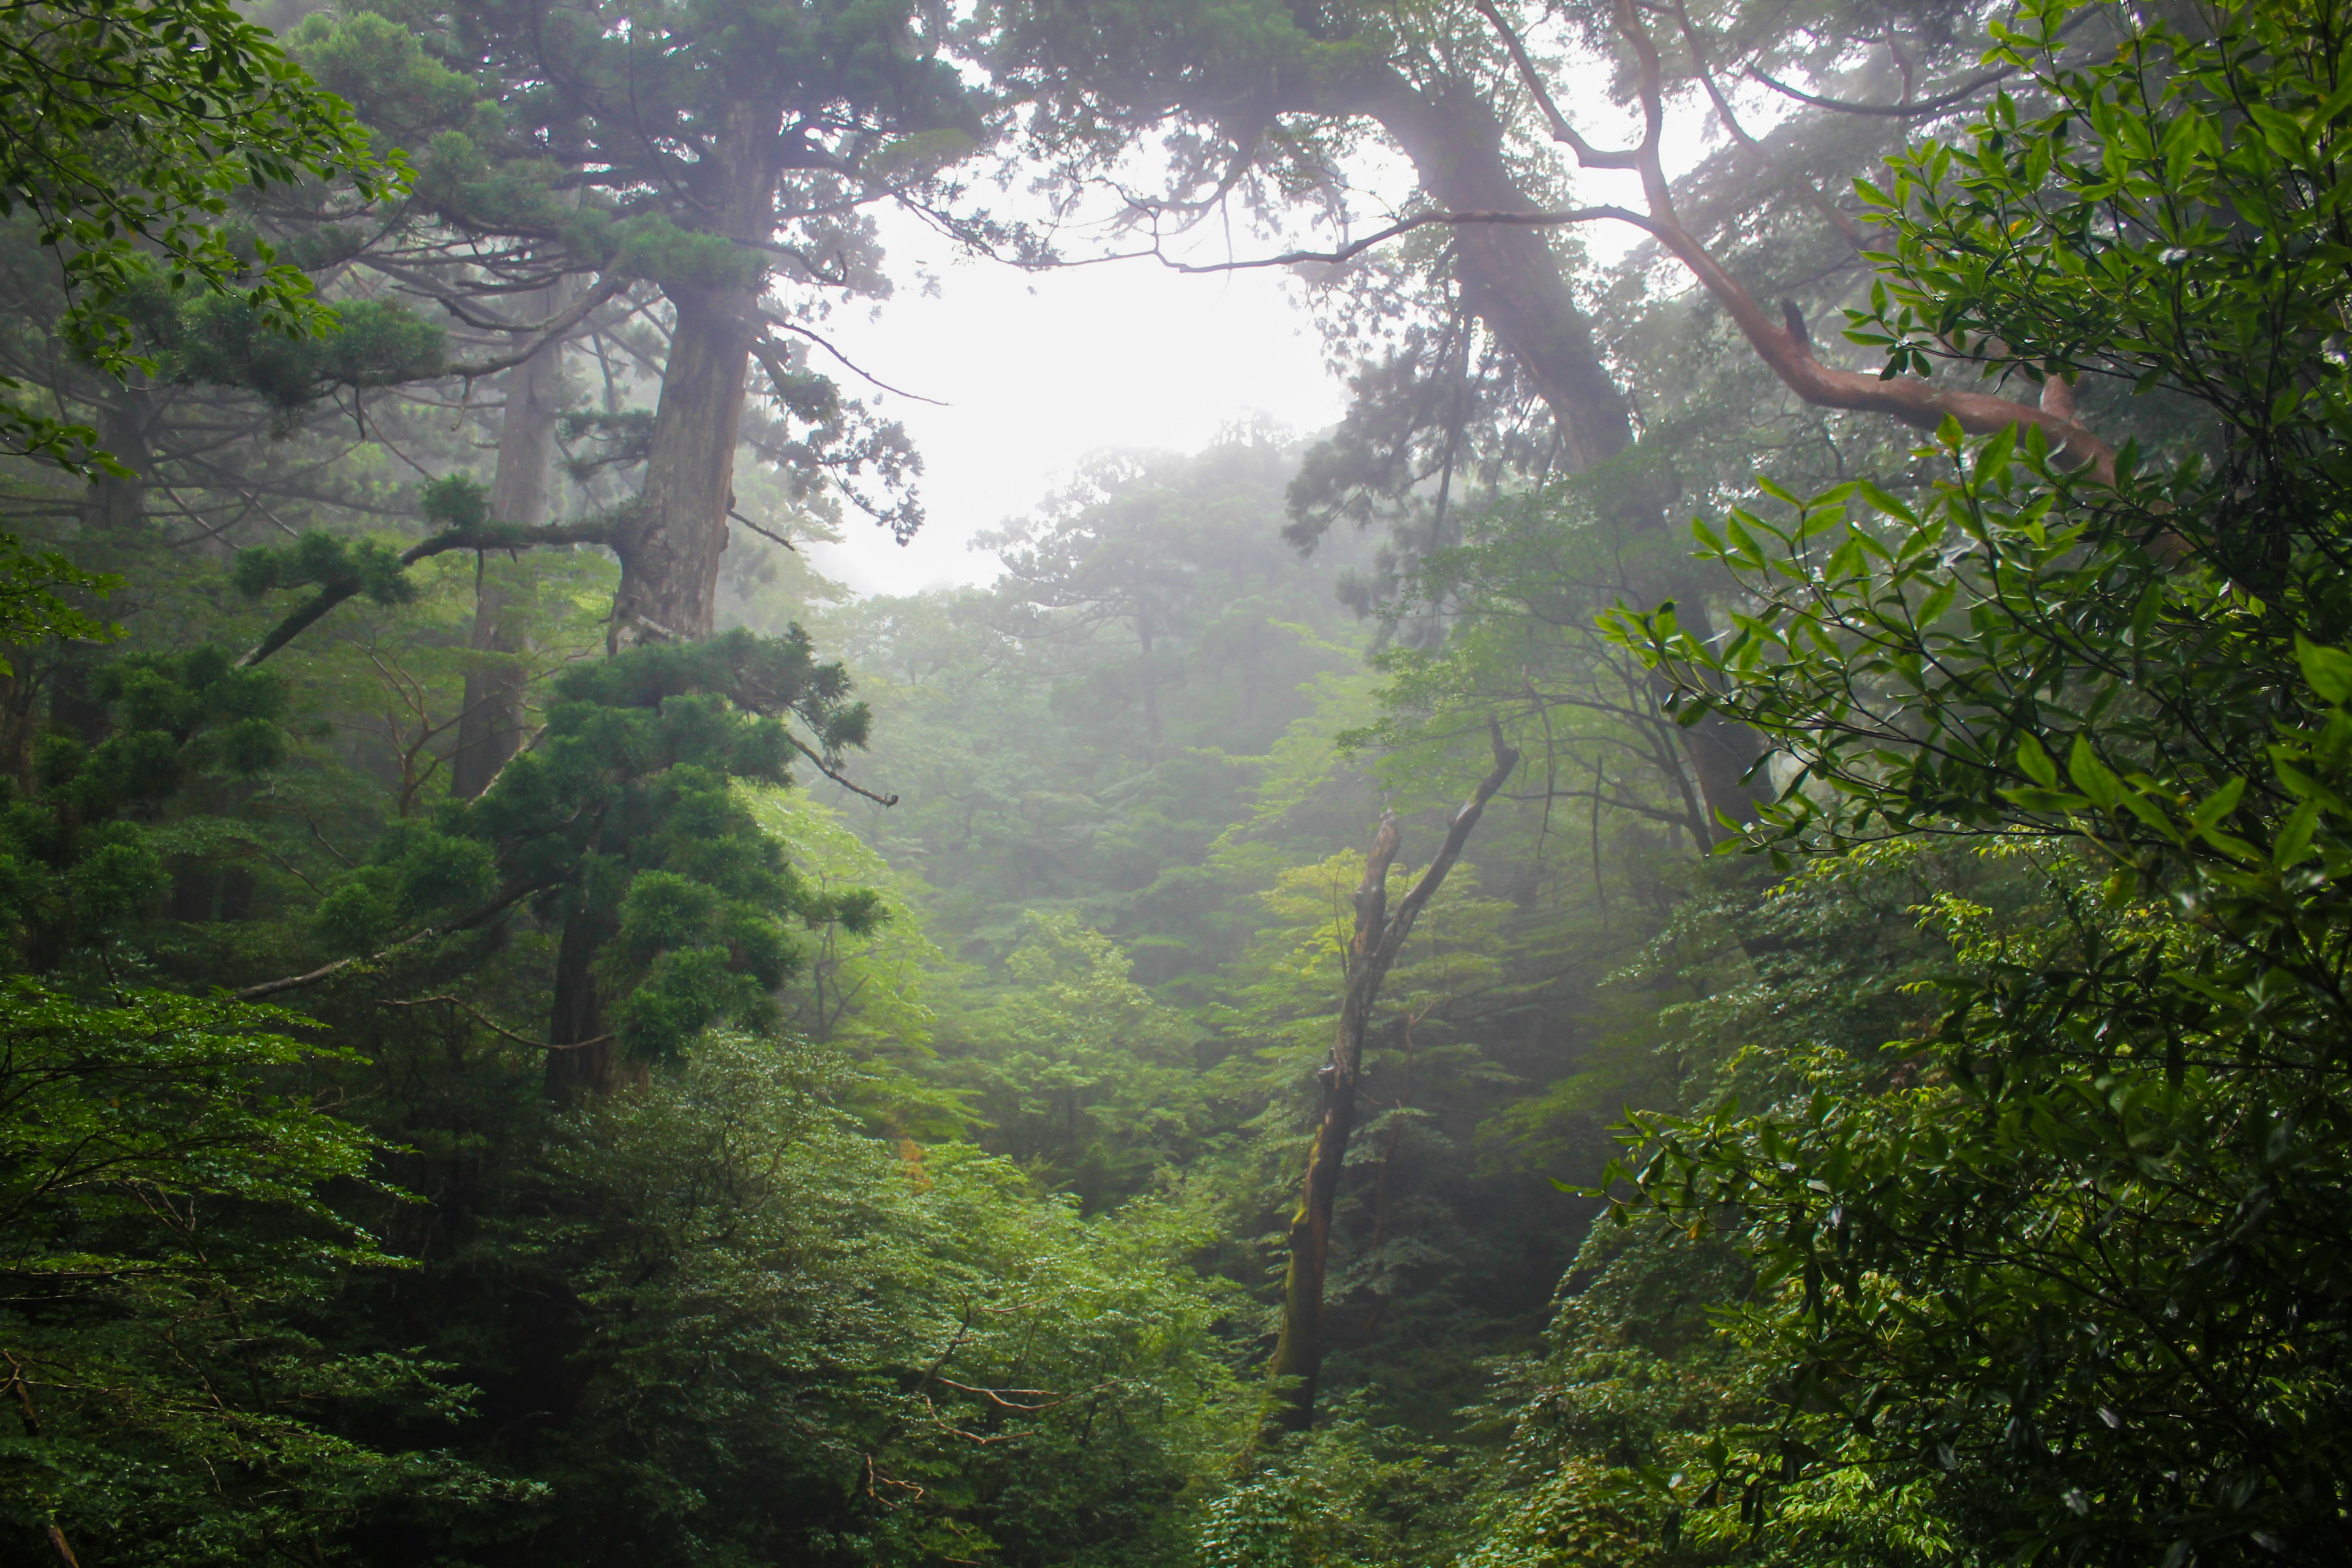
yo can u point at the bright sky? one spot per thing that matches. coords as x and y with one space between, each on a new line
1037 370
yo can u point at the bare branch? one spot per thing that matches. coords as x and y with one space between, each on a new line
495 1026
830 772
512 894
765 533
1921 109
1349 252
795 328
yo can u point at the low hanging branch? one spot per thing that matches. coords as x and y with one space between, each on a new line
1379 937
506 899
347 576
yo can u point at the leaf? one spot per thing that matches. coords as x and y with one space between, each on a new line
2092 776
2035 764
2328 671
2294 836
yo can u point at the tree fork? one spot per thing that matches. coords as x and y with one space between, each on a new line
1379 936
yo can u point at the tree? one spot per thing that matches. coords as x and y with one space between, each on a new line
133 130
1265 103
623 829
734 139
1379 937
2069 1260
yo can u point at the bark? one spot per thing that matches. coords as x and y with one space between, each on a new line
669 552
579 1066
113 510
1511 278
1379 936
489 728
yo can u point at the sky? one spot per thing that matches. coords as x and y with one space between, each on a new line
1032 371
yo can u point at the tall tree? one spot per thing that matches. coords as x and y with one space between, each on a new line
737 140
1263 99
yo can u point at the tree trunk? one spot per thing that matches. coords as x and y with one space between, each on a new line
1297 1363
1511 278
669 554
113 513
581 1064
670 546
489 728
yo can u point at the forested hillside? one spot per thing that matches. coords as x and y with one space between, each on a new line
1706 934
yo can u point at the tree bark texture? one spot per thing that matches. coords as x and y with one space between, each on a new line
522 490
669 551
1379 936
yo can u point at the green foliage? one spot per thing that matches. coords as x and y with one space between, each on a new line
228 341
2066 1262
33 603
1078 1072
167 1187
919 1358
627 816
322 560
138 127
79 858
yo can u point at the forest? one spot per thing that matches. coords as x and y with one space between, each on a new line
1706 933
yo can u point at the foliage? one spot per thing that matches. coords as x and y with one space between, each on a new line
2067 1261
79 850
167 1183
133 130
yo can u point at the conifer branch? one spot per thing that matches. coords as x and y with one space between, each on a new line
490 536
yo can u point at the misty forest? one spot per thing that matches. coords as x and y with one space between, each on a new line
1705 932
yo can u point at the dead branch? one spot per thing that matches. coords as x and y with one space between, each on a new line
830 772
495 1026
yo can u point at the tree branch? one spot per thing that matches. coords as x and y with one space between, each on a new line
493 536
830 772
1919 110
513 893
1408 910
795 328
1915 402
557 326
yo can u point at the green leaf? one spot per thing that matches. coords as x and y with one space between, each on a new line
2327 670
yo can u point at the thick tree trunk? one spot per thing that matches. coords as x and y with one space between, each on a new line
669 559
521 491
1511 278
1379 937
670 545
669 554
